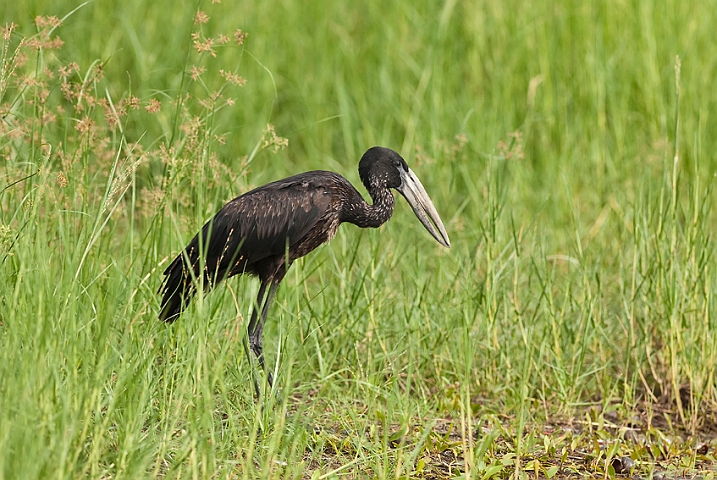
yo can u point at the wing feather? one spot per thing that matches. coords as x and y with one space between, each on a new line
260 224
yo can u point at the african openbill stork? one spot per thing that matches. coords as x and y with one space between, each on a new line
262 231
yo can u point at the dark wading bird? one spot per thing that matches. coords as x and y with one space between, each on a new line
262 231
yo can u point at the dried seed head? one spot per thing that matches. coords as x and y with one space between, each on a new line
133 103
62 180
272 140
67 70
7 30
240 36
196 72
233 78
206 46
45 22
153 106
200 18
86 125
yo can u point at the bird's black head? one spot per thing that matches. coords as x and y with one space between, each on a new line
381 167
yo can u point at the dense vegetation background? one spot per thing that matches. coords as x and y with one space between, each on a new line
569 147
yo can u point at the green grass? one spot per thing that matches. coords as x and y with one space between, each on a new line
568 147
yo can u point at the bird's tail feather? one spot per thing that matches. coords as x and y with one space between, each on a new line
177 289
188 272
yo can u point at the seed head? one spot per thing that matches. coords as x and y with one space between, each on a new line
153 106
200 18
239 36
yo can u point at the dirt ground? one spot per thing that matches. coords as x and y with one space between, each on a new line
650 441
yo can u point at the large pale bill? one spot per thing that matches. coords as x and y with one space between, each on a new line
412 189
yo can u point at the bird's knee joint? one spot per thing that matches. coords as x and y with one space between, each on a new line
255 346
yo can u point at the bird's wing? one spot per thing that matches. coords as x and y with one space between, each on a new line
260 223
273 218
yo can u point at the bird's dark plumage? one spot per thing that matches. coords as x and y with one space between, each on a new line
250 234
262 231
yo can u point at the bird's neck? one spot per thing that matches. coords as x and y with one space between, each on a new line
364 215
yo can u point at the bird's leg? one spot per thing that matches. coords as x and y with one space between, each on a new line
257 390
256 325
252 327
